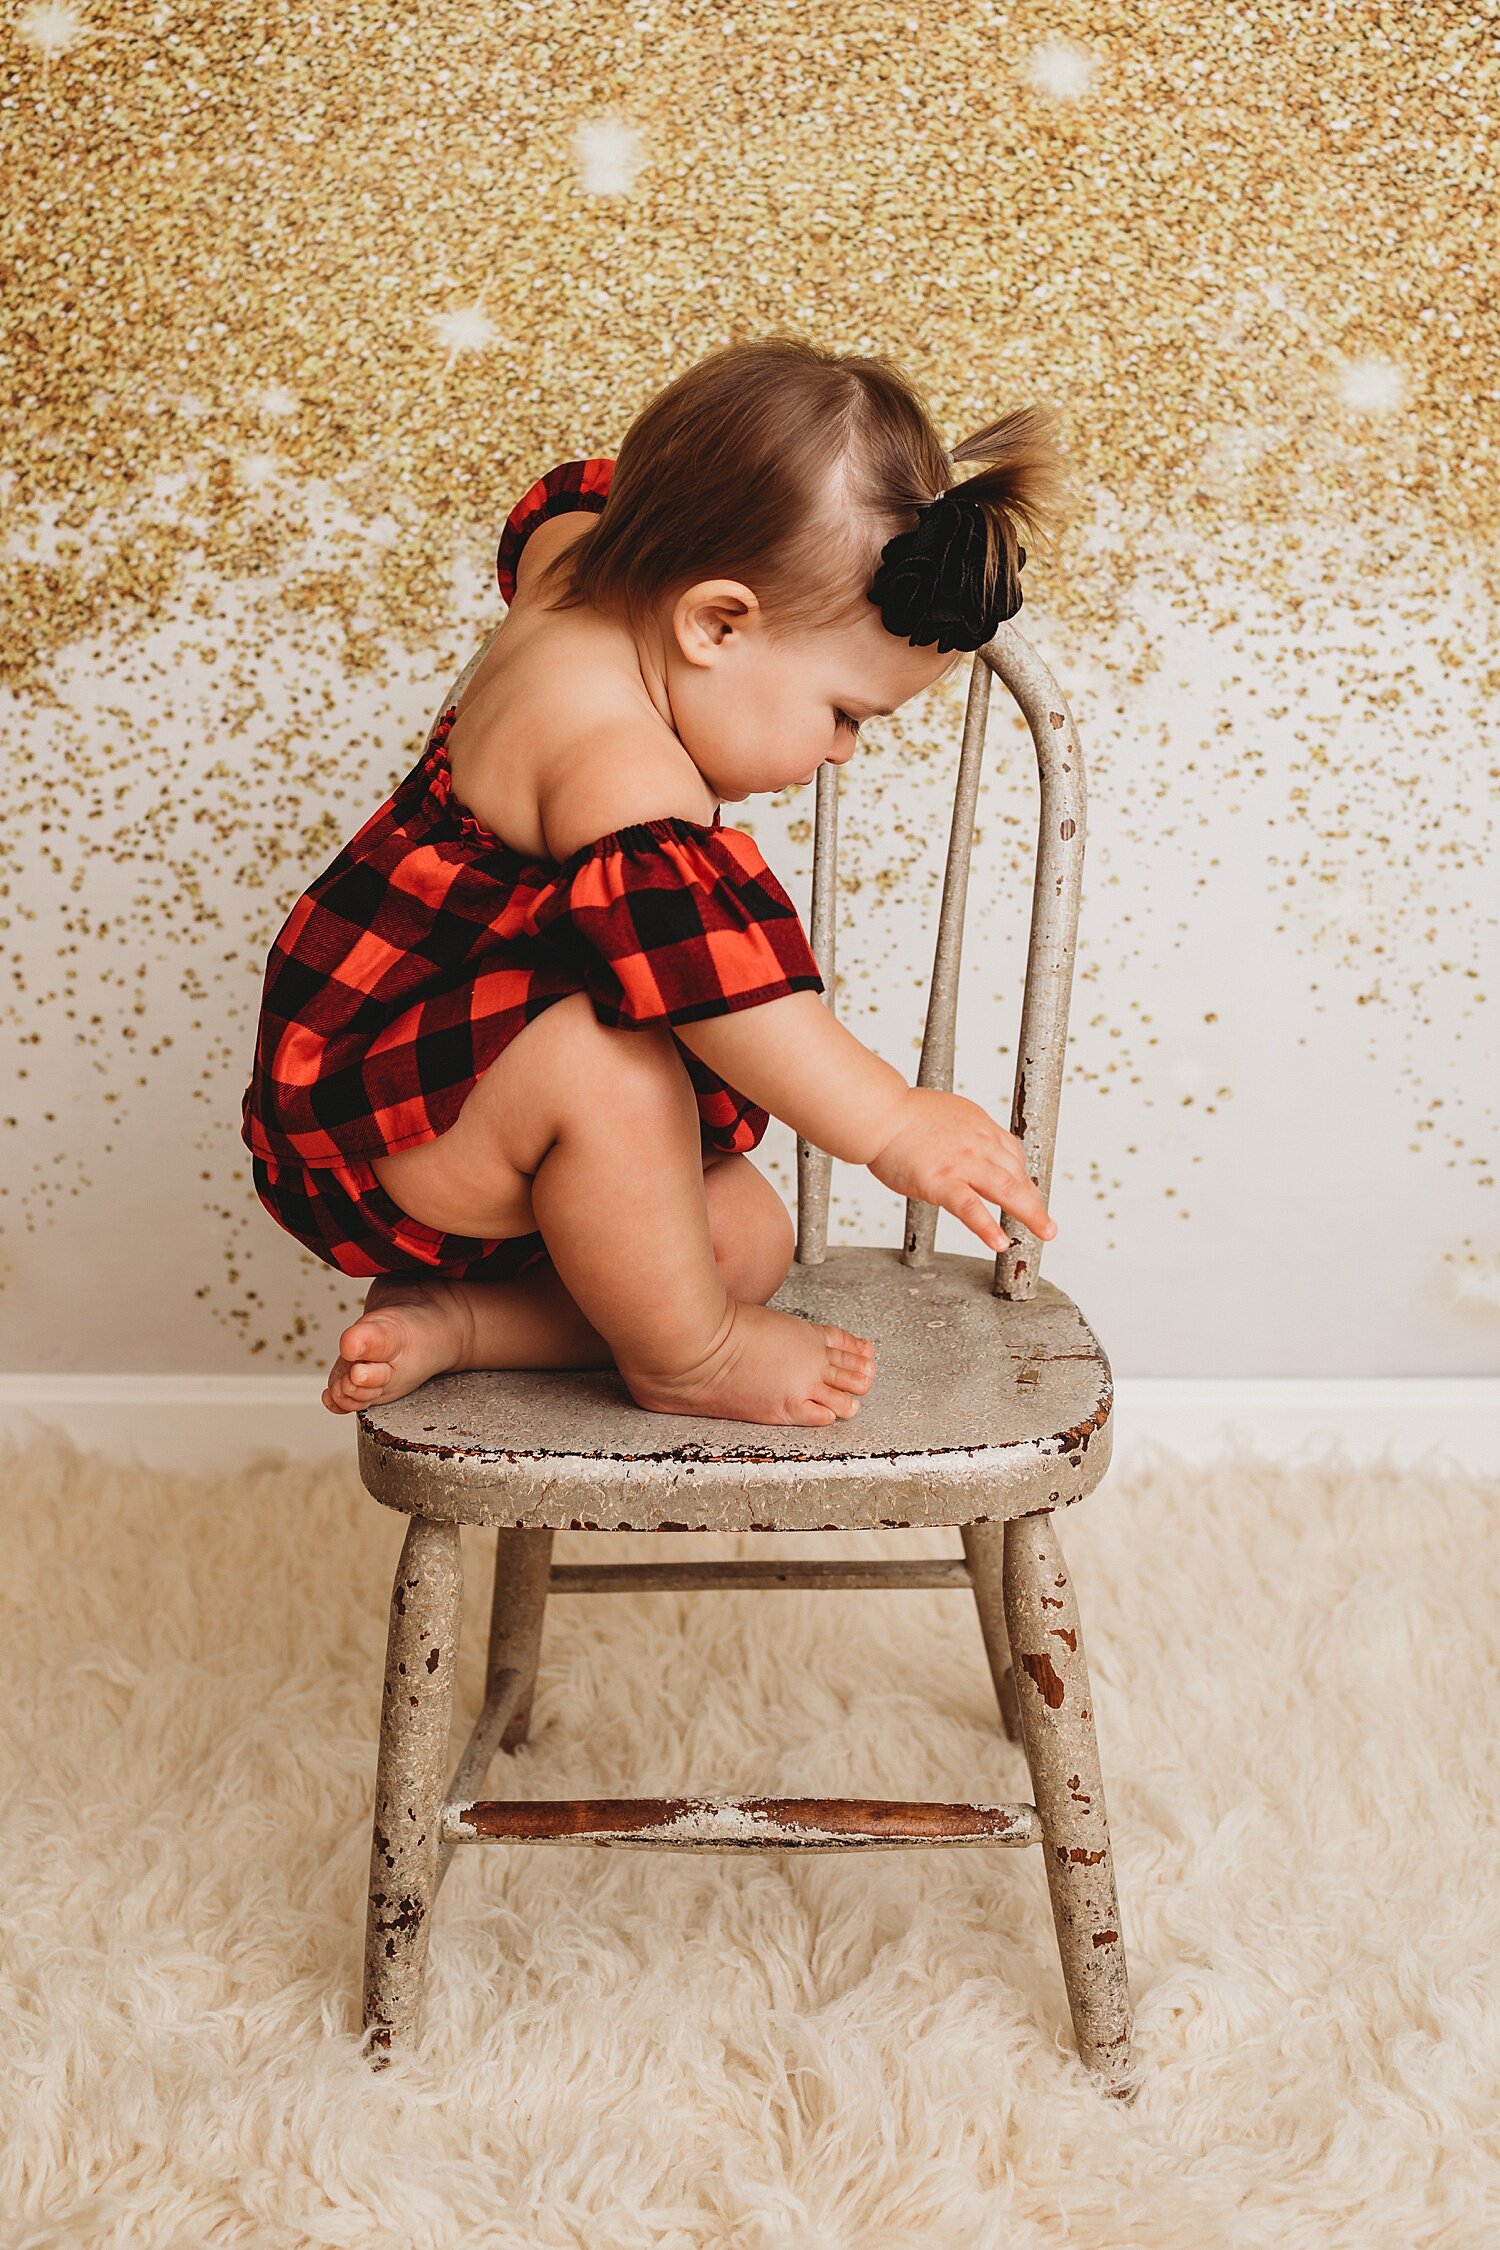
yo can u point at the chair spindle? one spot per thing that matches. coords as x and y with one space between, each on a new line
936 1065
1056 890
815 1165
1055 895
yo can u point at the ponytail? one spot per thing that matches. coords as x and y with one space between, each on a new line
1024 486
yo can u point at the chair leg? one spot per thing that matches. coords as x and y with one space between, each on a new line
984 1558
1057 1726
523 1566
416 1710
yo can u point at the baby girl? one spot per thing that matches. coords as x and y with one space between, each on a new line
518 1038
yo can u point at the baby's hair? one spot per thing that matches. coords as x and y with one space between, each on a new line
789 467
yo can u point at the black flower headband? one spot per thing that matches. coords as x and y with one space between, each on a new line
930 584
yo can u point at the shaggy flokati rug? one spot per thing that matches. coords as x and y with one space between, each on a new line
1296 1693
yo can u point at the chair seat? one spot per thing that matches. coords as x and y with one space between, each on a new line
982 1410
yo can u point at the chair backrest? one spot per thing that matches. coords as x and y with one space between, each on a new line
1049 962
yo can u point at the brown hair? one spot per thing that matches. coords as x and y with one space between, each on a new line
789 467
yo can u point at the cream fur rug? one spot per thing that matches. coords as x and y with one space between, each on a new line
1295 1676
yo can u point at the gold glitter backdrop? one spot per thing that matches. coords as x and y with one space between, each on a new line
415 251
299 300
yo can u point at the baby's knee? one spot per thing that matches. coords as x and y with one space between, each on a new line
761 1263
753 1237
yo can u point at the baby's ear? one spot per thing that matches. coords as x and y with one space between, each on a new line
704 615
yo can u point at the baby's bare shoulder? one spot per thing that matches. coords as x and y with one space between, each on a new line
550 771
618 773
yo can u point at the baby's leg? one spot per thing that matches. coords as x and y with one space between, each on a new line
591 1135
415 1326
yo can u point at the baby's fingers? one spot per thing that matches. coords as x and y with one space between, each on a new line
1012 1151
978 1217
1021 1196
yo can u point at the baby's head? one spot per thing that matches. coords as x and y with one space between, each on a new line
748 510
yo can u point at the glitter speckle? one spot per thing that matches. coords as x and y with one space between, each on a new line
53 30
257 471
609 154
275 400
1061 69
469 329
1474 1284
1373 386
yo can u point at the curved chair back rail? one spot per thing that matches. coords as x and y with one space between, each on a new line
1049 963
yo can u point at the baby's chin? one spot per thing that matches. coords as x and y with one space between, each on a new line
741 790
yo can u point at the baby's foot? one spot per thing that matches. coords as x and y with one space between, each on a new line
766 1367
407 1331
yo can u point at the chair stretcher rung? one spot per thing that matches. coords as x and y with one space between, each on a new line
479 1751
726 1577
816 1824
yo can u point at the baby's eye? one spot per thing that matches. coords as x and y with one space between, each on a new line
844 720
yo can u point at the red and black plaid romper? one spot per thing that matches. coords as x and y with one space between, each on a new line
425 946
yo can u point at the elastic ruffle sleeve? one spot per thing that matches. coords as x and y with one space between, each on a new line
672 921
571 485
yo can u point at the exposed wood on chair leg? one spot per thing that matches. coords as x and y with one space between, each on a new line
1057 1725
984 1560
420 1667
523 1562
1010 1709
478 1754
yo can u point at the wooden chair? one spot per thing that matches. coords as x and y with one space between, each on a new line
990 1411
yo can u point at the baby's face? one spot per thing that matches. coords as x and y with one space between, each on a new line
756 714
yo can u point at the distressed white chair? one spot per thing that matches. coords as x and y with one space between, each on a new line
990 1411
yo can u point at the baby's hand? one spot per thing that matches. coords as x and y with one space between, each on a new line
949 1151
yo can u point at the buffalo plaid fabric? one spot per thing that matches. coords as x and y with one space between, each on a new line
343 1214
427 943
571 485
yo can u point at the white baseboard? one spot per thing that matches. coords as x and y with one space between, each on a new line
179 1421
222 1421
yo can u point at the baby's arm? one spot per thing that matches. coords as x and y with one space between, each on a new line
794 1058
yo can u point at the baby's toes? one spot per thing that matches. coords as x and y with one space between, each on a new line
365 1339
832 1393
335 1390
821 1407
366 1379
356 1386
849 1357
